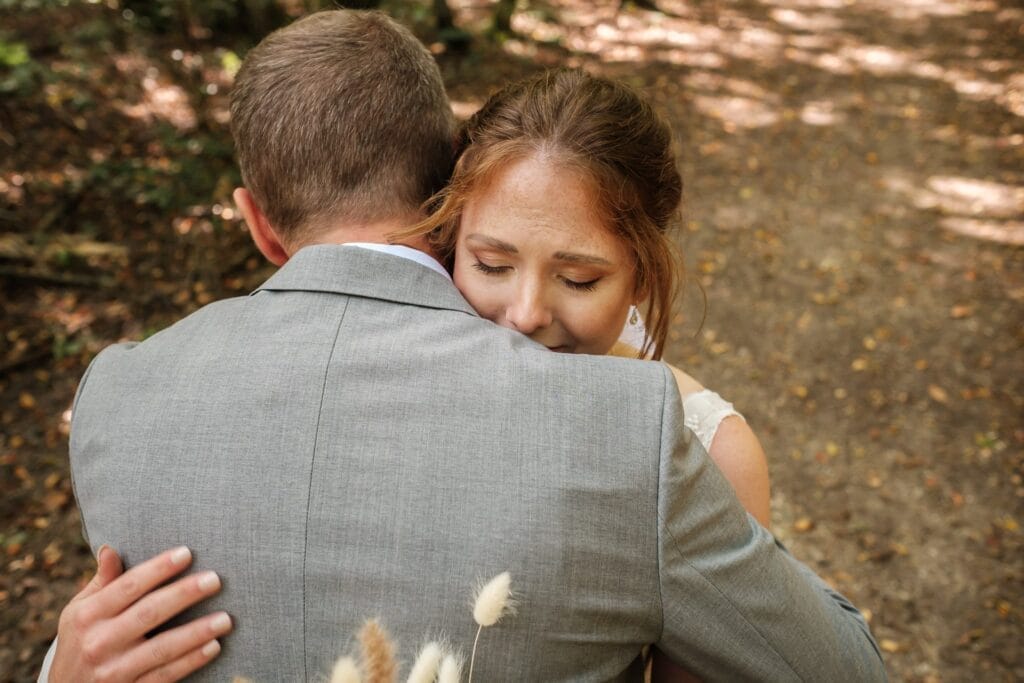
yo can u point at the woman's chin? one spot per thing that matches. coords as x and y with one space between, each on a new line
564 348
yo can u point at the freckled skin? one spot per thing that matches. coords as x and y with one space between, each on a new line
532 256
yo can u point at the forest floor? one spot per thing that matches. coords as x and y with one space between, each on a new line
854 215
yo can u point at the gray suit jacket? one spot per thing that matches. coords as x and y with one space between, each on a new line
353 441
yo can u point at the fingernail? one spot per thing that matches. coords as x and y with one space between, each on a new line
211 648
181 555
209 581
220 623
99 553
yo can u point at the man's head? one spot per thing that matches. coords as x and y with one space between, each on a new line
338 118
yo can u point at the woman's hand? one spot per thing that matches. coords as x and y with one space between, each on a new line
101 635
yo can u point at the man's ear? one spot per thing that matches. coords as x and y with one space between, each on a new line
262 232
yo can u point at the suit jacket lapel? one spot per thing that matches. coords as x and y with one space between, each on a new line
361 272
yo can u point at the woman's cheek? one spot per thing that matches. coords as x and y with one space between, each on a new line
485 300
599 331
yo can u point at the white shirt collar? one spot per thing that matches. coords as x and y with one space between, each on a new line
420 257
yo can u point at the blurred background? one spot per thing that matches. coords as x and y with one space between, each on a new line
853 231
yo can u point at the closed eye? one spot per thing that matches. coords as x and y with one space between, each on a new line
587 286
491 270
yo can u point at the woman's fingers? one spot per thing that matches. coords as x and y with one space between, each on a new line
108 565
137 581
157 607
108 568
183 666
179 650
101 632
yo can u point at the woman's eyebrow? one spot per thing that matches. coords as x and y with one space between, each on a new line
570 257
493 243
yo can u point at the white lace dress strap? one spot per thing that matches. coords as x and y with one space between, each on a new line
704 411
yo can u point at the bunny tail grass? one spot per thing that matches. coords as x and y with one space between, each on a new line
424 670
450 671
378 653
492 600
345 671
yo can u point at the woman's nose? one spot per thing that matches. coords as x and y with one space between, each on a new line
529 313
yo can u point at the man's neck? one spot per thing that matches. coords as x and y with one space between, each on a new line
376 232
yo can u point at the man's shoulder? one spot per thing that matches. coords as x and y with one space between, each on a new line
161 342
536 373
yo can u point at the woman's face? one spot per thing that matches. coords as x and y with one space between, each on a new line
531 255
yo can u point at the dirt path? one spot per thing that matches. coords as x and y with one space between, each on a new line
855 175
855 215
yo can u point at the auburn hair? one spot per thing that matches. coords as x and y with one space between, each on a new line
608 133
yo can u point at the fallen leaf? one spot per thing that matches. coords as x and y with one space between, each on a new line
899 549
970 636
961 311
52 555
55 500
938 393
890 645
803 525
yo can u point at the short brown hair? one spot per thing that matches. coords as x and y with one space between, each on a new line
597 126
342 114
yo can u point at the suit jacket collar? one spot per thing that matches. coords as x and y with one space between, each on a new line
338 269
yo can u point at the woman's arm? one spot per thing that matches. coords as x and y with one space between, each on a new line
735 448
101 634
738 454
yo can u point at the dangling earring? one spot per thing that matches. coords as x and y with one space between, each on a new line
633 317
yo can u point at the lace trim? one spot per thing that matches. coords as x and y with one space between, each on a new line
704 411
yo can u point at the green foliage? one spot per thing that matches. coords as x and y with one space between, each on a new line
65 346
28 5
230 62
94 32
13 54
19 73
187 173
253 18
170 16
